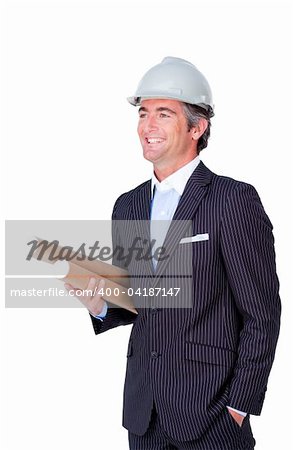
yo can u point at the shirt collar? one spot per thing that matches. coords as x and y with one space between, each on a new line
177 180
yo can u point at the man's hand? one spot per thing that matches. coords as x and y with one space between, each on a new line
90 297
236 416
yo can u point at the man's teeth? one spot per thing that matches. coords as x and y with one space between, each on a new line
154 140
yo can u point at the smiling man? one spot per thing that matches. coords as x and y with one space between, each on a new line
194 375
164 135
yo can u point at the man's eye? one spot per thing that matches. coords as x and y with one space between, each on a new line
141 116
164 115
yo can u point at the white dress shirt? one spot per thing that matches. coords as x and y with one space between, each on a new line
166 196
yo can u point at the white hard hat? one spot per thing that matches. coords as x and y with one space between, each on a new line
177 79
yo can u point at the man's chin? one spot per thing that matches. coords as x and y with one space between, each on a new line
151 156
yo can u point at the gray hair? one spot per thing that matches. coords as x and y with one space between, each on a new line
195 112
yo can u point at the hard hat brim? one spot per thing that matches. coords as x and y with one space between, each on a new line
136 101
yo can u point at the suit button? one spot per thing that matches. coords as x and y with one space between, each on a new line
154 310
154 355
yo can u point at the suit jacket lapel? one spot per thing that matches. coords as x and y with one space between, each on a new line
194 192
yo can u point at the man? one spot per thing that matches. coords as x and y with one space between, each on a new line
194 374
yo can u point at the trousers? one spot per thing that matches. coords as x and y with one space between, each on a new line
224 434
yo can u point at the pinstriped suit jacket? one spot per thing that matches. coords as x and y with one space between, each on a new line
193 362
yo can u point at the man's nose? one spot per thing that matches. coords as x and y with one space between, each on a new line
151 123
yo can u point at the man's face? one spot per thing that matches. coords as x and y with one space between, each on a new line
163 132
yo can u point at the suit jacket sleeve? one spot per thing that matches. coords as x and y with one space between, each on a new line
247 246
115 316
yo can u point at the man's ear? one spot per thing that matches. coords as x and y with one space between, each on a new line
199 129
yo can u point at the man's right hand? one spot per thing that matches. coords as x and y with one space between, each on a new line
90 296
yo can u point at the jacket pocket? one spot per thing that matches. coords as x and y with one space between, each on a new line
209 354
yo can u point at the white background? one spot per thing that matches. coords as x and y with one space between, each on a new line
71 148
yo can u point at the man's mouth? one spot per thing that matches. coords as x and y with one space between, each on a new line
154 140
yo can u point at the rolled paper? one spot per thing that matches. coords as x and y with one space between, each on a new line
80 271
106 270
117 294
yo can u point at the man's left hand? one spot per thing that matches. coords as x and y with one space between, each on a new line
236 416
